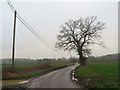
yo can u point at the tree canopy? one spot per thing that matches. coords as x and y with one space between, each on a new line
79 34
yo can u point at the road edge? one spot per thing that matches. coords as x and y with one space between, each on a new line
22 84
75 80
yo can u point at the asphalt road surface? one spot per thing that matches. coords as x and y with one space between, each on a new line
57 79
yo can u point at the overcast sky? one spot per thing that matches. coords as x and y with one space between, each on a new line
46 18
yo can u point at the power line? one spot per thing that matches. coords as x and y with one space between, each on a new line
18 16
11 6
30 28
33 31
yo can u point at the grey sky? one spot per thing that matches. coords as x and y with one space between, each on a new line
46 19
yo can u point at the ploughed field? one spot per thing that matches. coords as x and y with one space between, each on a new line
98 75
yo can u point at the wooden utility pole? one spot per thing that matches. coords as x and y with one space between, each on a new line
13 49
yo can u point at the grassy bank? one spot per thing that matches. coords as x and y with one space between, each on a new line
28 71
19 66
23 72
98 74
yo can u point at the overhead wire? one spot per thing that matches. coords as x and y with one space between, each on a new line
18 16
27 25
30 28
34 32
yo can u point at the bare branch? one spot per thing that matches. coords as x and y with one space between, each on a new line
77 34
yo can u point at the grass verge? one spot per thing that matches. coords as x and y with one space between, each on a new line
98 75
16 76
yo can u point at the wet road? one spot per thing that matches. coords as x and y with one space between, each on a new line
57 79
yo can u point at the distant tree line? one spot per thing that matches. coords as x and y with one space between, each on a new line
109 57
22 61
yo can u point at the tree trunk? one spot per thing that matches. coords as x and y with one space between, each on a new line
81 58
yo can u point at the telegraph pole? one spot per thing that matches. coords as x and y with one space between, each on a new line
13 47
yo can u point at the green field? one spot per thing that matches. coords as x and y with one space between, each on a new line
102 74
31 65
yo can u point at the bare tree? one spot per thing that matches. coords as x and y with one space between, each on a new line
79 34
